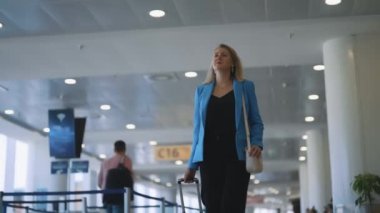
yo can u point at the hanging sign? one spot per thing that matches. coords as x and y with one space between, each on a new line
179 152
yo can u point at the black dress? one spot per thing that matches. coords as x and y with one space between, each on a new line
223 177
220 128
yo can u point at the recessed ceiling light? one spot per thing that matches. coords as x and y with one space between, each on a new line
103 156
302 158
1 25
157 13
332 2
303 148
83 146
169 184
130 126
9 111
105 107
70 81
304 137
191 74
178 162
309 119
46 129
153 143
313 97
256 181
252 177
319 67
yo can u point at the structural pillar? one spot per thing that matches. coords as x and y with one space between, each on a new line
318 167
352 93
304 186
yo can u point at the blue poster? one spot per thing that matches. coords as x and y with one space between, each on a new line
59 167
79 166
62 133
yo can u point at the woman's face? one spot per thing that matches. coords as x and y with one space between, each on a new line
222 60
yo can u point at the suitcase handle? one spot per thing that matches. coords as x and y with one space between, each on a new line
196 181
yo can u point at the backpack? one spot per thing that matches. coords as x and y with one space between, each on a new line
118 178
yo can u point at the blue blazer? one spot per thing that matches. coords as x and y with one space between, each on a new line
202 96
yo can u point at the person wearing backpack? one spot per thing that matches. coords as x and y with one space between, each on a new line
115 173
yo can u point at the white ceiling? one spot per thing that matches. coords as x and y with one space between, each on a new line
115 49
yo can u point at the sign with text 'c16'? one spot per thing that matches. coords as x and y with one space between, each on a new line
179 152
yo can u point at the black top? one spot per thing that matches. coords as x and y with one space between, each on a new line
220 128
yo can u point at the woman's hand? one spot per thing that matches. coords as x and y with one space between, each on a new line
189 175
254 151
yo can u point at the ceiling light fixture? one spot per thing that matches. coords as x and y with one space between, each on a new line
130 126
1 25
191 74
169 184
313 97
309 119
303 148
256 181
153 143
9 111
178 162
304 137
83 146
332 2
103 156
70 81
302 158
157 13
46 129
105 107
319 67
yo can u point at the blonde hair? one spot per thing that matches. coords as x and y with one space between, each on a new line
236 70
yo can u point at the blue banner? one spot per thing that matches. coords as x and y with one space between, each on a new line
79 166
62 133
59 167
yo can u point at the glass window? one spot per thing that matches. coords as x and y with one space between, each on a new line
21 163
3 160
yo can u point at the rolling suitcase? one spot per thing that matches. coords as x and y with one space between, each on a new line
196 181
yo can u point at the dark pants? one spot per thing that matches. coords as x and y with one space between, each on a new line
110 208
224 186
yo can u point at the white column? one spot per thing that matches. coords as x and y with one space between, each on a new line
318 167
304 187
352 83
59 182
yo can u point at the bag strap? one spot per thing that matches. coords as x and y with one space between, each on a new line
247 132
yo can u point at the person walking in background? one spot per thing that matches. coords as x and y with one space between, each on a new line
116 172
219 140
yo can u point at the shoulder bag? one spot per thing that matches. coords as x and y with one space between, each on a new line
253 164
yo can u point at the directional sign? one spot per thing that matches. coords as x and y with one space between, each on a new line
179 152
79 166
59 167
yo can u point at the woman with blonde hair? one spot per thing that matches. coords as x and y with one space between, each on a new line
219 137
